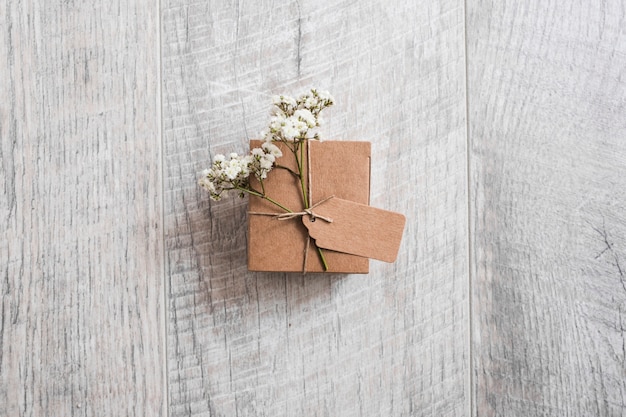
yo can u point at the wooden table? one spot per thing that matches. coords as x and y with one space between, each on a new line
497 128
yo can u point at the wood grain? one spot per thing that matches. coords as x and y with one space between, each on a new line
394 342
547 99
80 210
82 265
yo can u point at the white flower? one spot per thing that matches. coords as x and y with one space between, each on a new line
266 164
290 132
290 101
291 121
325 96
301 126
310 102
272 149
207 184
261 160
306 116
245 165
284 101
276 123
232 171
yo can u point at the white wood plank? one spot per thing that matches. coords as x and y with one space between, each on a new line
394 342
80 210
547 99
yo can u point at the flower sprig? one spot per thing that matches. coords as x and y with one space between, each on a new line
234 173
293 122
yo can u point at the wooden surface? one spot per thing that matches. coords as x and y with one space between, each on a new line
547 107
81 256
497 129
394 342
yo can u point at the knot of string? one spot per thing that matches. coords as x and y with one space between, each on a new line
306 212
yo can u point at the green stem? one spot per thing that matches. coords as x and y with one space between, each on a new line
321 253
261 195
305 198
287 169
302 185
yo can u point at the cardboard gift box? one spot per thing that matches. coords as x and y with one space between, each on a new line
339 169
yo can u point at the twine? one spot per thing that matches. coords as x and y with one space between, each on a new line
293 215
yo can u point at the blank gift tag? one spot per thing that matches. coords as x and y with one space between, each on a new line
356 229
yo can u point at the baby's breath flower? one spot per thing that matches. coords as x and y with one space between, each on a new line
289 130
308 101
234 173
293 121
284 104
306 116
325 96
205 182
272 149
266 163
296 120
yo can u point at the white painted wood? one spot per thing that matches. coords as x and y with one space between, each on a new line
80 210
82 266
394 342
547 99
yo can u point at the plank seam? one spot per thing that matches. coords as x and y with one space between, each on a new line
470 338
164 281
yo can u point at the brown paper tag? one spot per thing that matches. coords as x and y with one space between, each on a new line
356 229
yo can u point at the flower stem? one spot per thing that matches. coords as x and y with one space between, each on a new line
287 169
263 196
305 198
277 204
299 160
321 253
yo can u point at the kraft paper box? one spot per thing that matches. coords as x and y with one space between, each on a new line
338 168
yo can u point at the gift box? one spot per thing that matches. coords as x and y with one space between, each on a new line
308 200
334 169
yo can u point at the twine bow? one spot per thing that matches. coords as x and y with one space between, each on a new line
306 212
